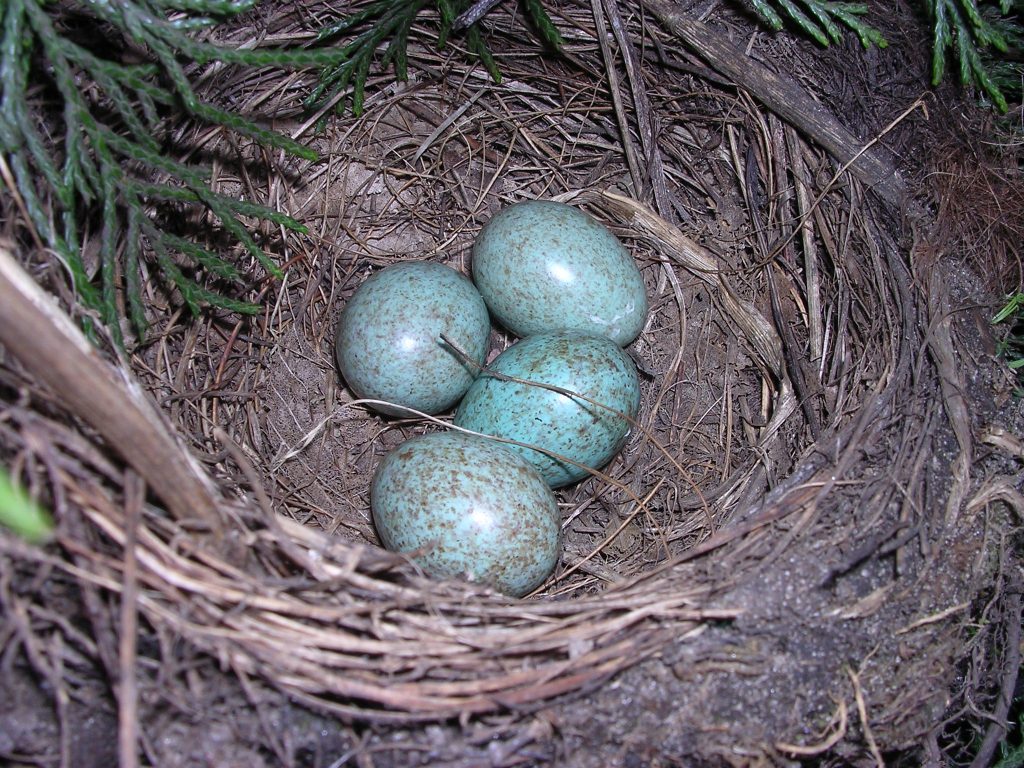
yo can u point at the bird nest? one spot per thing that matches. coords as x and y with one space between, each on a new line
803 549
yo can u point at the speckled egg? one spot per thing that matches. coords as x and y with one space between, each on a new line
592 366
388 342
470 508
542 265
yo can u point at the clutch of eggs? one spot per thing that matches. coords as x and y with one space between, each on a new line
471 507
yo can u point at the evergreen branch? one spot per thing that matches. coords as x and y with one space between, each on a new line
106 76
237 230
849 14
387 20
245 127
80 171
476 44
826 19
190 174
103 159
962 26
969 29
66 247
942 36
353 20
821 20
193 294
210 261
133 265
18 132
152 191
804 22
768 15
388 23
542 22
397 54
214 7
108 244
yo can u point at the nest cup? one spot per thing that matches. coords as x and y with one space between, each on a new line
737 546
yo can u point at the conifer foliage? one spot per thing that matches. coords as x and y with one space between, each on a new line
106 151
102 157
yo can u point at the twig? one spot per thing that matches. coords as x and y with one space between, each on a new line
996 731
127 699
611 537
645 117
473 14
862 711
625 135
932 618
830 741
51 347
786 98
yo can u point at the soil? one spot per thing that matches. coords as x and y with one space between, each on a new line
812 631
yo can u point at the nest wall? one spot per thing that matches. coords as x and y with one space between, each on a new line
783 562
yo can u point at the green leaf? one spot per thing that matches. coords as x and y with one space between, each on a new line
21 514
1014 304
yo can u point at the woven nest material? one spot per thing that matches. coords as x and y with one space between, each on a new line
792 557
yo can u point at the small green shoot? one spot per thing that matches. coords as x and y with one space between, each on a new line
1011 348
1012 755
21 514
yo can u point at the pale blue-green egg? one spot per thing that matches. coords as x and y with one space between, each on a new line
389 339
542 265
573 428
469 508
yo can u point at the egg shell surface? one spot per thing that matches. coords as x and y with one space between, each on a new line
593 366
542 265
388 341
478 510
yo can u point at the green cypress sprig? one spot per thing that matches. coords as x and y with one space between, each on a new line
384 21
388 24
1011 347
821 20
542 22
111 144
972 31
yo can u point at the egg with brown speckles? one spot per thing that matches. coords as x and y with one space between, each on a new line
389 343
573 430
468 508
542 265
